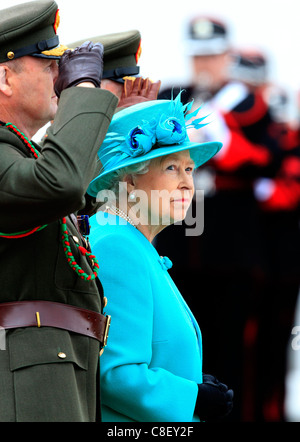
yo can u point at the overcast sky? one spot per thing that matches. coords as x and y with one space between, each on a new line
270 25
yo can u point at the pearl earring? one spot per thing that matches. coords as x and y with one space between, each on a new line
132 196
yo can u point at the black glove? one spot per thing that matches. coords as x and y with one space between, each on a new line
214 399
85 63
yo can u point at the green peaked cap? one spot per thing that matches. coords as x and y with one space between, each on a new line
30 29
122 51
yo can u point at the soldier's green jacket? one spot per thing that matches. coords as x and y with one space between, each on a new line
35 384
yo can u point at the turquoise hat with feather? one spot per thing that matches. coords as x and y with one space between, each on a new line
149 130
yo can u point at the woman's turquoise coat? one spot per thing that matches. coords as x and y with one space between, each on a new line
153 362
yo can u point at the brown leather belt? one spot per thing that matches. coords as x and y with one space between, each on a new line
55 314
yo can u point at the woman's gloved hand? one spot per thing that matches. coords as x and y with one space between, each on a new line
84 64
214 399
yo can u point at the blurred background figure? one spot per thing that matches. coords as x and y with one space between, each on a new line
234 258
279 199
268 329
249 66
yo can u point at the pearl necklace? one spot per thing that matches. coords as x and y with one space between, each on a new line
121 213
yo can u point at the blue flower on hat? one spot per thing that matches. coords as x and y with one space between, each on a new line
170 130
140 140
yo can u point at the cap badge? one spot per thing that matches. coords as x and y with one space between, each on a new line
56 21
138 52
203 28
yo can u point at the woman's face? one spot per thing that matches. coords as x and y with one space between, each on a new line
167 189
210 71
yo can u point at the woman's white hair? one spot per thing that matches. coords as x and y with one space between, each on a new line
112 180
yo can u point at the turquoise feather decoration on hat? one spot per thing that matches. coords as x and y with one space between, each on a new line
149 130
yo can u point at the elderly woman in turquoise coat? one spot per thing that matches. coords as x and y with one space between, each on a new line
151 369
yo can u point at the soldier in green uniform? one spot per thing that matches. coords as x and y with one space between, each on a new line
50 299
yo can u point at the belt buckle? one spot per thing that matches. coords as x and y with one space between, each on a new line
107 325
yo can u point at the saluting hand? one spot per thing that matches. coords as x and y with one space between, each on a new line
84 64
138 90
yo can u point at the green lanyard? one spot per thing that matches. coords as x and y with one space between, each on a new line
64 232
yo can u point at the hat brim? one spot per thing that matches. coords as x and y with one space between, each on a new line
213 46
199 152
122 79
55 53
